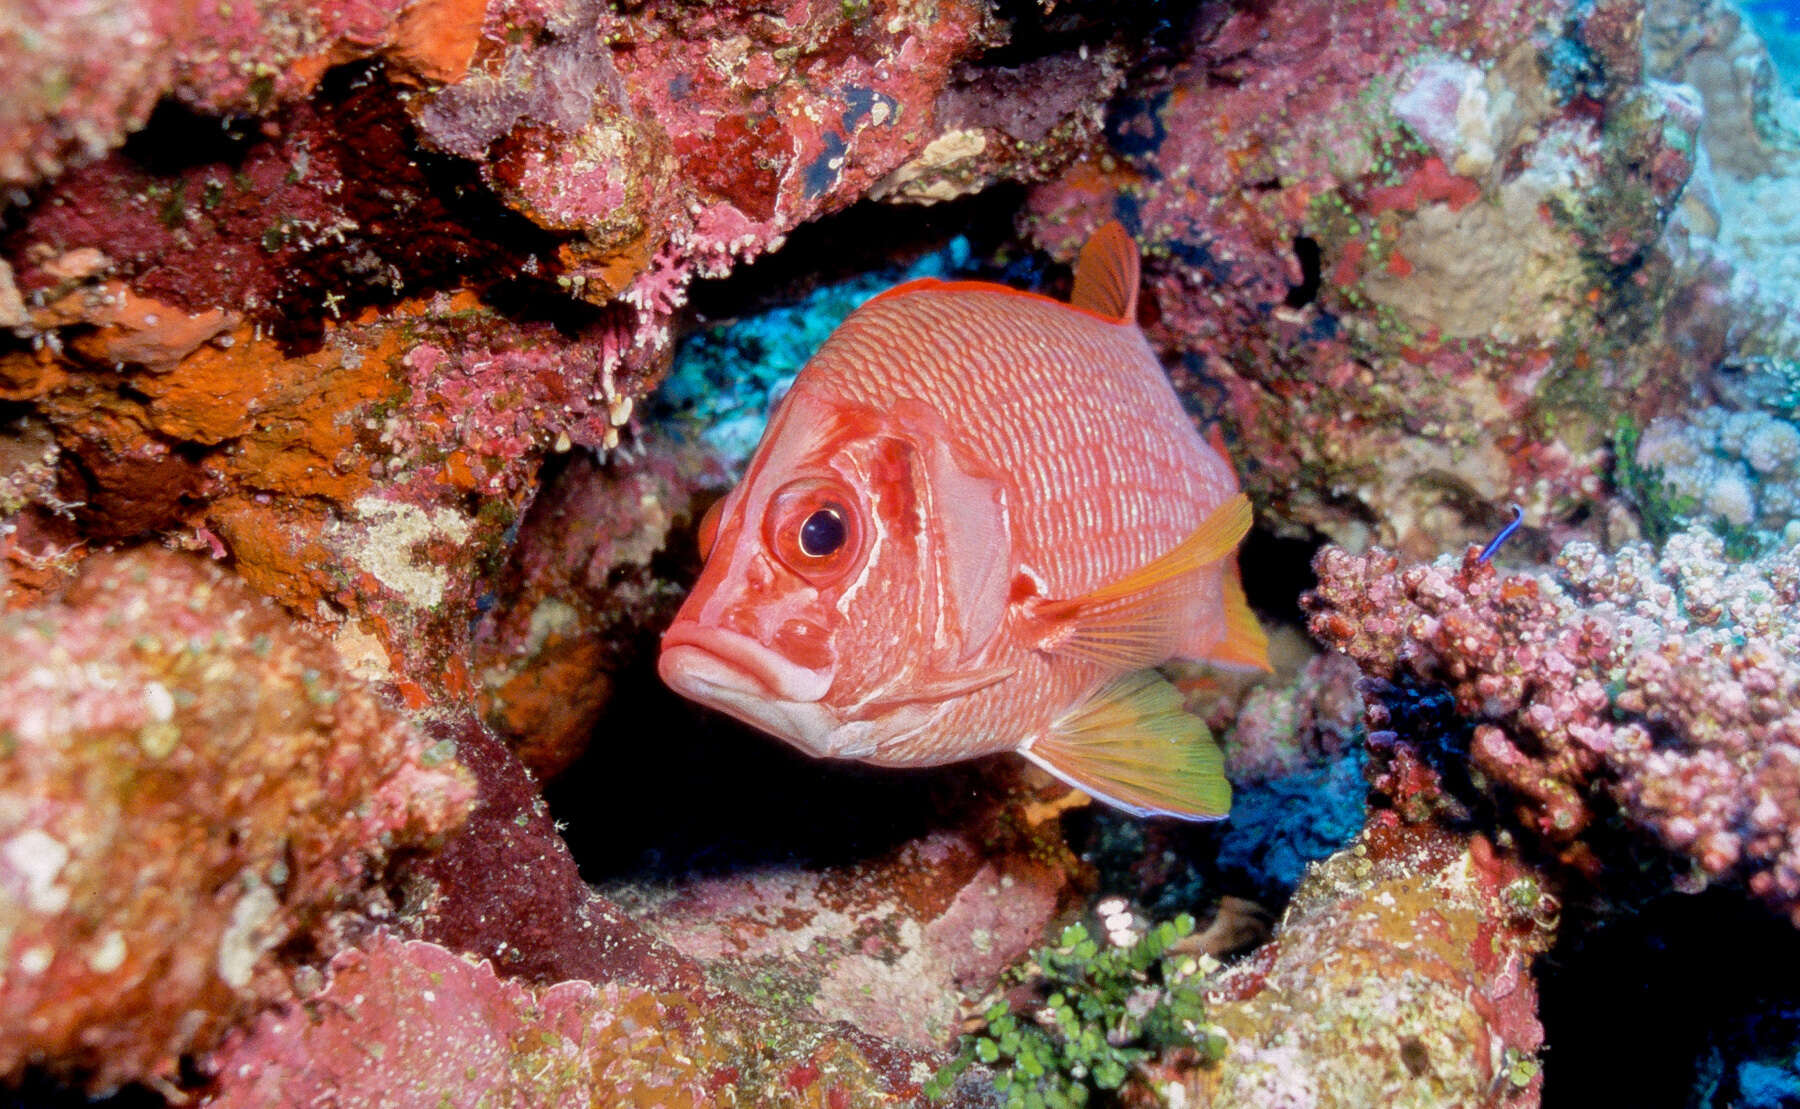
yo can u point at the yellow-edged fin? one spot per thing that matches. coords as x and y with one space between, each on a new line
1245 645
1106 275
1127 623
1132 746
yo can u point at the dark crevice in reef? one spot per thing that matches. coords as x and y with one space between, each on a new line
37 1090
868 237
176 138
1156 29
1307 251
695 792
323 209
1276 571
1662 1006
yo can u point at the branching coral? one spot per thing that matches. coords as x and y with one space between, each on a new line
1667 685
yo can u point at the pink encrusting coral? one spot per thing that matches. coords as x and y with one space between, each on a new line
1392 250
80 80
1665 684
397 1022
412 1023
192 792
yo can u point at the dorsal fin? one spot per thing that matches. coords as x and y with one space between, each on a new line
1106 274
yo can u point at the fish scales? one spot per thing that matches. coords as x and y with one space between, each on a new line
1010 380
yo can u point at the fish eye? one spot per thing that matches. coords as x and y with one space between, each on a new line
823 532
812 527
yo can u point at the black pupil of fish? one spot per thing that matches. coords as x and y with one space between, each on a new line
822 533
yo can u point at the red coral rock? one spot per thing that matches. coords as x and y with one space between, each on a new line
412 1023
504 887
1666 685
192 788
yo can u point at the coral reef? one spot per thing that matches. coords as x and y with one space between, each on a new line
1400 975
1404 259
409 1022
194 792
1664 685
362 306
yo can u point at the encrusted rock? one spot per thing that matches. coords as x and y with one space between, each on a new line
192 791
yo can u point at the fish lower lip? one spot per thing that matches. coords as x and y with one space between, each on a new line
737 662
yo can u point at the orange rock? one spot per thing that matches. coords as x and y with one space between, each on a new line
435 40
609 274
277 548
27 375
459 471
306 414
548 704
140 331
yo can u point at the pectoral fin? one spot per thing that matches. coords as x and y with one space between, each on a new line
1129 623
1133 746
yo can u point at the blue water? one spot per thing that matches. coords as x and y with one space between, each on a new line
1778 23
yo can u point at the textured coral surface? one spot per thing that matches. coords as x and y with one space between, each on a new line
1667 685
411 1023
1401 975
192 789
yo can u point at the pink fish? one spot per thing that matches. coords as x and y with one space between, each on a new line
977 522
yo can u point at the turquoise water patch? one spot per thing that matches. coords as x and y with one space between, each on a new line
1777 23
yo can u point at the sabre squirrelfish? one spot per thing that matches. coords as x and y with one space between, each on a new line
977 522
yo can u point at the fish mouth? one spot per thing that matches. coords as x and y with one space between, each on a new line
706 662
745 679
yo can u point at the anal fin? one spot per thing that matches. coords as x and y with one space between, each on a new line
1132 746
